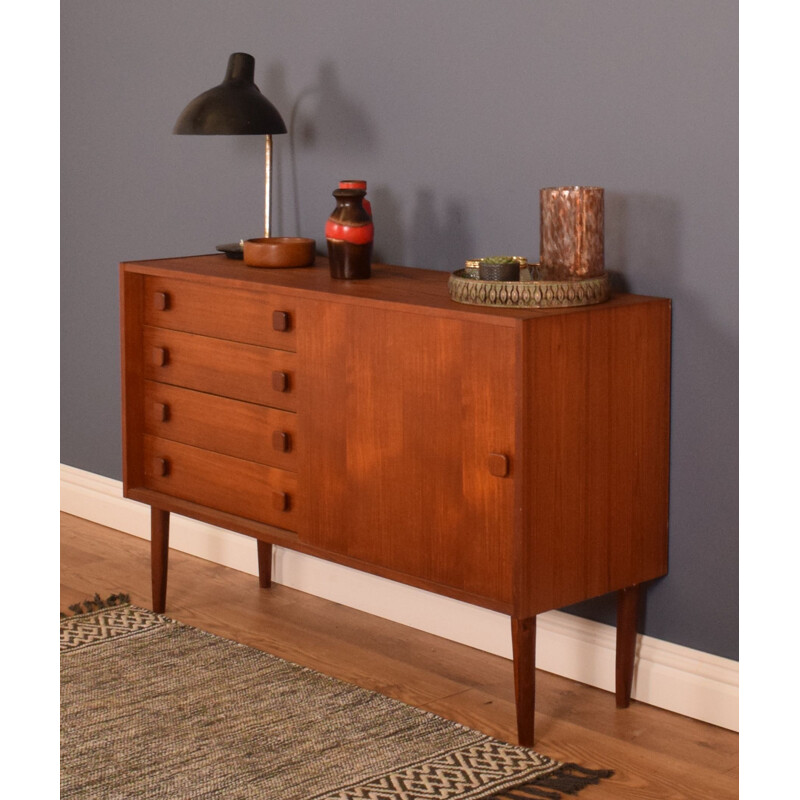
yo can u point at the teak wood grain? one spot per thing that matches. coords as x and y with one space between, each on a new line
403 427
239 315
516 459
221 367
234 485
243 430
596 454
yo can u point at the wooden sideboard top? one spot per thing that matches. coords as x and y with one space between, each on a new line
418 289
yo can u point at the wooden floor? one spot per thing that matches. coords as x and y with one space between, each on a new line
654 753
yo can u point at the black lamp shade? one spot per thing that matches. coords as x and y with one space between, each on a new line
235 107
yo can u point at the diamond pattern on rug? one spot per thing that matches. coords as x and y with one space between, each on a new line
177 712
463 774
98 626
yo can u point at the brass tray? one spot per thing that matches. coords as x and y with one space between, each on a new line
465 286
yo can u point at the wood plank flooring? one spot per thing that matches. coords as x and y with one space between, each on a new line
654 753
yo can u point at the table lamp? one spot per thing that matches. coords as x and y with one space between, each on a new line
236 108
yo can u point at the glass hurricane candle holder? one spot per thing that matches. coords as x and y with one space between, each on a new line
571 231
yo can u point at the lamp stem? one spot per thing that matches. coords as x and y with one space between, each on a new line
267 185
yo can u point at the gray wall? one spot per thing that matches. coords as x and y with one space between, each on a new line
456 112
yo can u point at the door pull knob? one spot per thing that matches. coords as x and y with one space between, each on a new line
498 465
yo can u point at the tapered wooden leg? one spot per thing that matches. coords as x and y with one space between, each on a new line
523 642
159 556
264 564
628 608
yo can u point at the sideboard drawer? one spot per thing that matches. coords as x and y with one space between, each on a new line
245 430
231 369
242 316
240 487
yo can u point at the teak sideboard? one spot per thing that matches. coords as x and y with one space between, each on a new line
515 459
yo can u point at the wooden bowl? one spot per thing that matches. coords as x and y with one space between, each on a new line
279 251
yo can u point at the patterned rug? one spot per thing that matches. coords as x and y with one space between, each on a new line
153 708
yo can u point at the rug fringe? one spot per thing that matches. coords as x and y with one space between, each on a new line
96 603
567 779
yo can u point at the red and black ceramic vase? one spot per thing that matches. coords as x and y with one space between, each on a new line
358 184
349 233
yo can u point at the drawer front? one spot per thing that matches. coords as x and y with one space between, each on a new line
245 316
234 428
231 369
239 487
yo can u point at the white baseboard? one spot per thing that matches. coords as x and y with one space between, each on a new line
676 678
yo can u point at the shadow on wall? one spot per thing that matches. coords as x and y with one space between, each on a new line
439 241
642 234
438 236
324 117
321 117
389 227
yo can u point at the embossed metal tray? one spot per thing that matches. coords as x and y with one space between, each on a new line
531 291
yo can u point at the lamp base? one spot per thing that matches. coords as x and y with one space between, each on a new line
232 250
